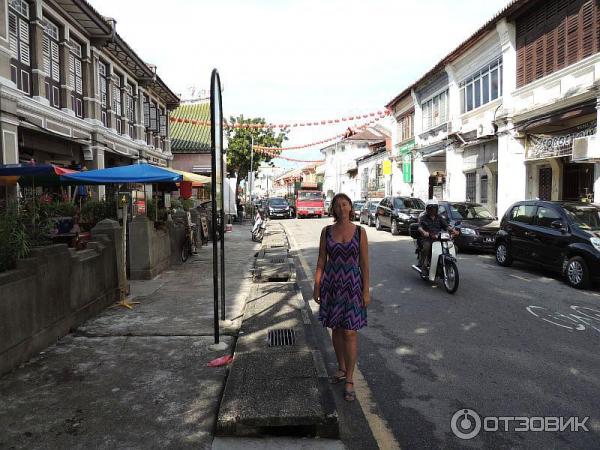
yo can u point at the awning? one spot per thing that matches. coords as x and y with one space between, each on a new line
135 173
40 174
193 177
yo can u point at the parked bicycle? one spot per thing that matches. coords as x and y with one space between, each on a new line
190 243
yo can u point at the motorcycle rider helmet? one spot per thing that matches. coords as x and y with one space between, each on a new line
431 204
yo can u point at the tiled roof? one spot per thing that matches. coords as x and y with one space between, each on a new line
189 138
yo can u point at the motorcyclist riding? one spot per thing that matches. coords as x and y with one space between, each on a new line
430 225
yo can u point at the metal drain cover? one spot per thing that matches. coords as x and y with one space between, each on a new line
281 337
278 260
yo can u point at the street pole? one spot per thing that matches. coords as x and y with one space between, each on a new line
251 174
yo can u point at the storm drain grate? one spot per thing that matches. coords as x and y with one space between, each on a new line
278 260
281 337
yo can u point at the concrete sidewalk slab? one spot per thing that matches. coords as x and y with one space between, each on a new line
117 392
136 378
227 443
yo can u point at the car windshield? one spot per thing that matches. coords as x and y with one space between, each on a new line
309 196
585 217
358 205
474 212
277 202
373 206
408 203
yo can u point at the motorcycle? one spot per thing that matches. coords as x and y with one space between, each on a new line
443 259
259 227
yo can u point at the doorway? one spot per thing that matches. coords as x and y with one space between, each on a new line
545 183
578 182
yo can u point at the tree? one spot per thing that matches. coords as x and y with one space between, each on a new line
238 153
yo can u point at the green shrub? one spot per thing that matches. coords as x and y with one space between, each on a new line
187 204
14 240
93 211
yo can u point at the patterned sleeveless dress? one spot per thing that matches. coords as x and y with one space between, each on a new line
341 285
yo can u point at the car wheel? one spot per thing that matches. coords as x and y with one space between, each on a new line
395 231
377 224
577 273
503 255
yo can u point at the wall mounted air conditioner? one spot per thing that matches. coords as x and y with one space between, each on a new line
485 130
586 149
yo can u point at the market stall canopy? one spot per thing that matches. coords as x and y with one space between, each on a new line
28 174
193 177
135 173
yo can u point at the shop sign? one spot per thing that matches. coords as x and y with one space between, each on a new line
405 148
541 146
387 167
407 168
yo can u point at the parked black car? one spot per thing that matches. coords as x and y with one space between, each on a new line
357 206
279 207
478 226
367 213
397 213
560 236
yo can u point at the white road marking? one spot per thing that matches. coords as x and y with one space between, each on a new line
518 277
378 425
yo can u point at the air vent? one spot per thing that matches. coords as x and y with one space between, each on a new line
281 337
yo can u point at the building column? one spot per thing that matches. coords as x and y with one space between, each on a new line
109 98
512 175
456 180
65 87
597 166
91 96
420 178
491 194
557 177
36 37
98 163
140 129
453 99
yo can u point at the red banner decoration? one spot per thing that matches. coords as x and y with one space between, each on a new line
379 114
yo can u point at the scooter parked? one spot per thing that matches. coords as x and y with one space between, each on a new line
442 264
258 230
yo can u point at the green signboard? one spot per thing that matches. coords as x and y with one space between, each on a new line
405 152
407 168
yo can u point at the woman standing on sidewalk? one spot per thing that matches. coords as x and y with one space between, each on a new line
342 287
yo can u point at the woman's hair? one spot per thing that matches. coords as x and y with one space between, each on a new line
337 197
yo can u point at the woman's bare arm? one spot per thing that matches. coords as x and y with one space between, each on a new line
320 265
364 266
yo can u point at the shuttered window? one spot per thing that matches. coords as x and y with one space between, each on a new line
471 186
20 50
556 34
117 106
51 62
482 87
103 90
435 111
130 109
76 78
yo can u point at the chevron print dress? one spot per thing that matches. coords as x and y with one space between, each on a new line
341 285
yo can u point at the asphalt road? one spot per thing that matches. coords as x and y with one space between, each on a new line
512 342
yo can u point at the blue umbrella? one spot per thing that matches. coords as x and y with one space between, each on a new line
135 173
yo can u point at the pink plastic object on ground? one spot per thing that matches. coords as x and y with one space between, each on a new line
222 361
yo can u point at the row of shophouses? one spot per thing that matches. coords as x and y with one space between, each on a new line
510 114
73 92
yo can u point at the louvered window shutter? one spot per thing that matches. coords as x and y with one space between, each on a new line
13 36
146 112
163 124
46 54
55 61
153 124
24 42
588 29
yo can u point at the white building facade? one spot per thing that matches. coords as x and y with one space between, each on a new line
501 119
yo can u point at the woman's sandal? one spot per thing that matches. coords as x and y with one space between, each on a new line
349 396
338 378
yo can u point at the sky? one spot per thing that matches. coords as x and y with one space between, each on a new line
296 60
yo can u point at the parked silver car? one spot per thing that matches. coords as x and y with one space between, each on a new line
367 213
